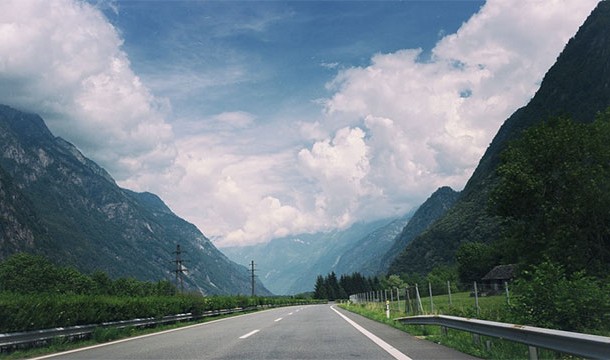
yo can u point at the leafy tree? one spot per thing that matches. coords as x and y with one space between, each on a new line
554 189
26 273
474 260
103 282
439 276
548 297
392 282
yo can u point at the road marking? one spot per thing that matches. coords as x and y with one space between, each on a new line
382 344
290 313
249 334
278 319
144 336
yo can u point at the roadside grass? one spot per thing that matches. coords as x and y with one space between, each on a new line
491 308
460 304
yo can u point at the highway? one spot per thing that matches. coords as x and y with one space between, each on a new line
297 332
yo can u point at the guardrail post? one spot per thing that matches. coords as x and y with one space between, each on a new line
476 339
533 353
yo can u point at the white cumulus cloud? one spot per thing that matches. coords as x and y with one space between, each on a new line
63 60
427 121
390 133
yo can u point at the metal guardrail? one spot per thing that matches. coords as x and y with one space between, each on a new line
585 345
16 339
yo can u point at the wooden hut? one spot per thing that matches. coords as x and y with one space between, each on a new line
494 280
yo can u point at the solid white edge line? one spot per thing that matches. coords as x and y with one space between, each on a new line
249 334
382 344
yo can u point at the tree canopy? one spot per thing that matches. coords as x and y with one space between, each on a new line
554 191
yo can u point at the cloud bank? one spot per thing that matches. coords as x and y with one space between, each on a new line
389 134
63 60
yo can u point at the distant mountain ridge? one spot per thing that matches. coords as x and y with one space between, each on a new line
56 202
290 265
366 255
431 210
577 85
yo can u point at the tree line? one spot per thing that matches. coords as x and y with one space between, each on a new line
24 273
330 288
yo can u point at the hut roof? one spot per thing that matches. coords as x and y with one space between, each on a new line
501 272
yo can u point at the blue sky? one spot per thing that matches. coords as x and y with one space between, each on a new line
260 119
267 58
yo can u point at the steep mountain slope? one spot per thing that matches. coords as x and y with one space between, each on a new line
56 202
578 85
290 265
432 209
366 255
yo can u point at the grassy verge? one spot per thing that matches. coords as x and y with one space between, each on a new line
491 308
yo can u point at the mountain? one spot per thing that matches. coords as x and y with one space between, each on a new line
56 202
290 265
577 85
366 255
432 209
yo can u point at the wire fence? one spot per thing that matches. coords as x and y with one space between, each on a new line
431 298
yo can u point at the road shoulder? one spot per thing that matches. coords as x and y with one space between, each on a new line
417 349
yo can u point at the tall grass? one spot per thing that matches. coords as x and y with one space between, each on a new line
493 308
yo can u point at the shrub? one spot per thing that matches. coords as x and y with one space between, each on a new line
547 297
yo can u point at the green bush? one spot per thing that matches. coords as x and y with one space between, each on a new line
547 297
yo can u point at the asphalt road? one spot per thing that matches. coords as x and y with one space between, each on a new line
298 332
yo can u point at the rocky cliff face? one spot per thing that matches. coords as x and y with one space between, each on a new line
55 201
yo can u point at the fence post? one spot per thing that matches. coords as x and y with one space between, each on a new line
398 298
421 307
449 292
507 294
407 301
476 299
431 302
